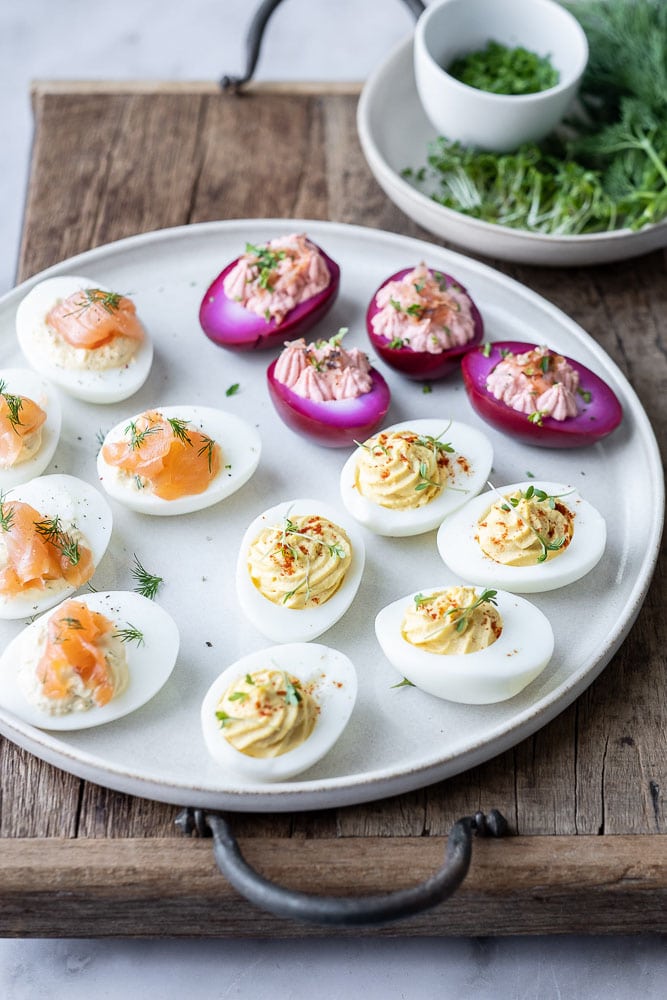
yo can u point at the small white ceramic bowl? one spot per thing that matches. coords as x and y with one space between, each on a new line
500 122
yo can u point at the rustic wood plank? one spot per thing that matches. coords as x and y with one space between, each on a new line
600 766
147 888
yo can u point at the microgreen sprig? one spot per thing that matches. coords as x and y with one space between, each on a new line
486 597
293 696
424 481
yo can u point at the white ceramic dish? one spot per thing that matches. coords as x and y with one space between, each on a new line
396 740
450 29
395 133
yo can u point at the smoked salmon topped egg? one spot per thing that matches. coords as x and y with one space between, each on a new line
91 660
30 420
86 338
54 531
177 459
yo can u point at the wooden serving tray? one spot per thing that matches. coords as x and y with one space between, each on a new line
584 797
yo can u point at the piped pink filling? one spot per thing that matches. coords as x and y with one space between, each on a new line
424 312
324 371
536 382
273 279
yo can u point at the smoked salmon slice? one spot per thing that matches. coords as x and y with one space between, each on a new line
92 318
39 551
172 456
20 418
76 643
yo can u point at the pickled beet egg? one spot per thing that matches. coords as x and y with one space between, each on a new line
229 324
422 365
599 411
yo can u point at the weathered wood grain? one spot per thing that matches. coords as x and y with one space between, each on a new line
147 888
113 160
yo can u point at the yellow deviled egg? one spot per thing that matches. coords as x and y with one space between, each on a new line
466 644
299 569
407 478
527 537
276 712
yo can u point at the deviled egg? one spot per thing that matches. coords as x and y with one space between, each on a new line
30 421
422 322
54 531
276 712
526 537
85 338
299 569
271 293
467 645
90 661
177 459
409 477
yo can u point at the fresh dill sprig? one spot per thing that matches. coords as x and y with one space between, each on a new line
130 633
14 405
52 531
137 438
208 444
6 514
179 429
147 584
110 301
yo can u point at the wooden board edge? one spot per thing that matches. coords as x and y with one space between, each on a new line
44 88
171 887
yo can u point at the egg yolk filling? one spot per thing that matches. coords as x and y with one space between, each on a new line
452 621
21 422
37 552
525 528
92 318
424 311
81 662
300 563
272 279
167 456
539 383
267 713
402 470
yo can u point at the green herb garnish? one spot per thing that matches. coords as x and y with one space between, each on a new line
292 696
110 301
486 597
130 633
52 531
6 514
179 429
239 696
137 438
498 69
267 261
404 683
207 447
14 406
424 481
232 389
147 584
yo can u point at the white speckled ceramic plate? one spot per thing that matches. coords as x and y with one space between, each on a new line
397 739
395 133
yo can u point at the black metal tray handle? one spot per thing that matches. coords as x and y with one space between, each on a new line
341 910
256 34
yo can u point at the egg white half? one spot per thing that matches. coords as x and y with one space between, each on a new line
150 663
281 624
466 441
23 382
107 386
463 555
240 445
74 502
494 674
335 690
